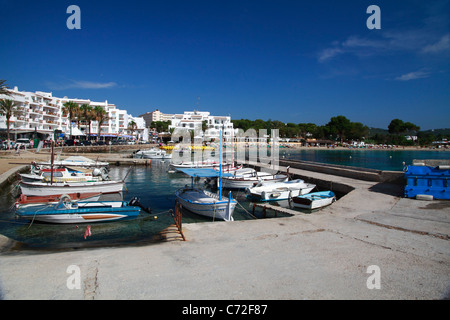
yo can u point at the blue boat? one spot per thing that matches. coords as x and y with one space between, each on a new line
68 211
314 200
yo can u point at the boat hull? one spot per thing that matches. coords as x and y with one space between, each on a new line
279 190
206 205
47 189
26 201
314 200
248 182
89 212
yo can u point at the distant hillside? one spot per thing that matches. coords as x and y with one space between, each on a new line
436 132
444 132
374 131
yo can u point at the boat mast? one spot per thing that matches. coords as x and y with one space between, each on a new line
220 167
51 162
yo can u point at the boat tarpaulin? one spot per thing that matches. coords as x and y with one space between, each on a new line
204 172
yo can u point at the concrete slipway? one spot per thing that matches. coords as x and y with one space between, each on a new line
324 255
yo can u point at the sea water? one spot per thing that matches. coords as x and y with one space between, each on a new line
383 159
156 187
153 185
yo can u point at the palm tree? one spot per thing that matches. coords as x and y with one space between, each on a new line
100 115
87 115
70 109
3 88
7 107
132 126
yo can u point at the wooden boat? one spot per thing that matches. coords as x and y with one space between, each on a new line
152 154
314 200
251 178
64 174
198 164
60 188
79 161
68 211
203 202
24 200
274 191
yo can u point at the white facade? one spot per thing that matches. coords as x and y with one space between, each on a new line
194 119
156 116
41 112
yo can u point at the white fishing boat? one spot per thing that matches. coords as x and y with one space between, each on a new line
68 211
60 188
26 201
249 178
76 161
314 200
274 191
152 154
203 202
64 174
198 164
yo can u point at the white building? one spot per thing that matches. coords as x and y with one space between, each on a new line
156 115
41 112
194 120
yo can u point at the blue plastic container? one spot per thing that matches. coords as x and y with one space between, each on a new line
428 181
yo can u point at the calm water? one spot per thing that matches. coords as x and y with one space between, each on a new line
156 189
375 159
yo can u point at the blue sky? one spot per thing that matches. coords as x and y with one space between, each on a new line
294 61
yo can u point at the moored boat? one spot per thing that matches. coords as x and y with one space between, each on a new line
152 154
273 191
75 161
314 200
198 164
24 200
60 188
68 211
64 174
251 178
205 203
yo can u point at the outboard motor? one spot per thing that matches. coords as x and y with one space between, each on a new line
134 202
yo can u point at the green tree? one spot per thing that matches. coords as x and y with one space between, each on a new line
87 115
70 109
339 126
4 88
7 107
100 115
396 126
132 126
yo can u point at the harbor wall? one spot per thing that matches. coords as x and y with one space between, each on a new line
334 184
366 174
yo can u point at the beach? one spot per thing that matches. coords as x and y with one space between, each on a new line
331 254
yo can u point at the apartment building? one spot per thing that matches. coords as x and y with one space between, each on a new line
194 120
156 115
41 112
